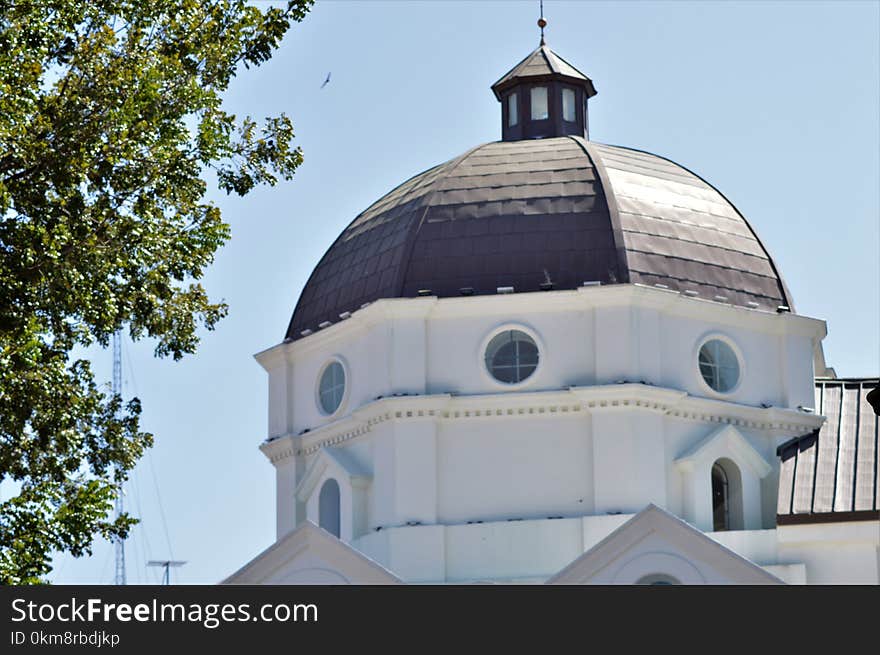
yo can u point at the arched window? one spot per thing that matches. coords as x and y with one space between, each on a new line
727 513
328 507
658 579
720 499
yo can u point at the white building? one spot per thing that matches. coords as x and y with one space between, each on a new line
555 361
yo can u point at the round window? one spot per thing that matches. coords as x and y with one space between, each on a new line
719 365
658 579
511 356
331 387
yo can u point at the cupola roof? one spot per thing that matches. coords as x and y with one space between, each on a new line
542 64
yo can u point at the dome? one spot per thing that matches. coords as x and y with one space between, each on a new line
556 212
544 208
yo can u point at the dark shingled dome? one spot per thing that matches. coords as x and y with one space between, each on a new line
524 213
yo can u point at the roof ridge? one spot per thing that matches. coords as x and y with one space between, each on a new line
568 63
611 202
516 67
549 57
786 294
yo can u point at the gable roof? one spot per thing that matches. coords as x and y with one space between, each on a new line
655 535
832 474
311 555
339 462
731 438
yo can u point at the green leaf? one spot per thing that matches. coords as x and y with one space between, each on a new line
111 120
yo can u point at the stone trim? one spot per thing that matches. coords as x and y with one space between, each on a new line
583 298
573 401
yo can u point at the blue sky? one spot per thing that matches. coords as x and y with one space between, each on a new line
776 103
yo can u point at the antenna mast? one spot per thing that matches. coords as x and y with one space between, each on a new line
166 564
117 390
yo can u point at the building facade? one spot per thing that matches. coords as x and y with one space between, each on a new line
551 360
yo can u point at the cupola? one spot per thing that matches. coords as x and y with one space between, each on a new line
543 96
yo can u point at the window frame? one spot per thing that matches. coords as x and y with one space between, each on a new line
698 372
574 104
658 579
532 90
725 501
346 384
512 101
484 365
323 510
734 498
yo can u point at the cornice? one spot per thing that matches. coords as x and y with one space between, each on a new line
573 401
581 299
328 458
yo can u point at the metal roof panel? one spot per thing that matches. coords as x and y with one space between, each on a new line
834 471
505 212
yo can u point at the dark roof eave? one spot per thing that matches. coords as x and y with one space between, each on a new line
500 87
828 517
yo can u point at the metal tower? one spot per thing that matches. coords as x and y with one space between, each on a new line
117 390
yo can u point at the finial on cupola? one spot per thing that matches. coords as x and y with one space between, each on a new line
541 22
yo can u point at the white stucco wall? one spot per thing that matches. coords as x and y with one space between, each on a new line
597 335
534 550
502 468
468 477
834 553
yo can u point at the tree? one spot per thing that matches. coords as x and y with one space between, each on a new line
111 126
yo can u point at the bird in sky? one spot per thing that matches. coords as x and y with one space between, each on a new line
327 81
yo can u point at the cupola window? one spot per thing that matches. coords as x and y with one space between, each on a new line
511 356
568 112
331 388
512 113
719 365
540 109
